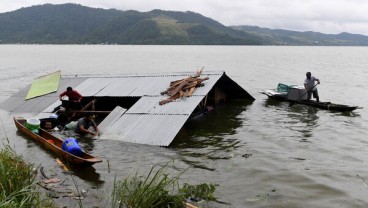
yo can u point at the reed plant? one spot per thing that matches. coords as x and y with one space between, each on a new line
157 189
17 181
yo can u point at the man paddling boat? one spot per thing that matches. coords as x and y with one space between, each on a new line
311 87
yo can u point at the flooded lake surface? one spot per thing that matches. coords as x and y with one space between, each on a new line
262 153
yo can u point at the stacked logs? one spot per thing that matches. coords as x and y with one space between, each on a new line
183 87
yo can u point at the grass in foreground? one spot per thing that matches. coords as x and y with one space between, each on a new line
157 189
17 187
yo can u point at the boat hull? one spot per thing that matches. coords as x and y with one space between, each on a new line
327 105
55 146
320 105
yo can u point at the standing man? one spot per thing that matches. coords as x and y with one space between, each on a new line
310 86
84 124
74 97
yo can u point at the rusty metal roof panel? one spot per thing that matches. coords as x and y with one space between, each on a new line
157 130
150 105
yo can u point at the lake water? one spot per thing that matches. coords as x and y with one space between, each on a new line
262 154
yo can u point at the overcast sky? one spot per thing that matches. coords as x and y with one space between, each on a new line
326 16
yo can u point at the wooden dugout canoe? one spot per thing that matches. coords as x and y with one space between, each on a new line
42 137
327 105
282 91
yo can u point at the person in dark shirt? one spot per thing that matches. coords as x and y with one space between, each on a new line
84 124
74 99
73 95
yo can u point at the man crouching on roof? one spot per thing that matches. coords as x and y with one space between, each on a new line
84 124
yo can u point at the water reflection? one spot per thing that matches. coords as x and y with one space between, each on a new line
304 120
304 114
274 103
87 144
351 114
88 174
211 137
297 118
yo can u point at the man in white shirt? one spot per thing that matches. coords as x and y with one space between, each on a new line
310 86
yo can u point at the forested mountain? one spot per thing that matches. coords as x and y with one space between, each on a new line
287 37
77 24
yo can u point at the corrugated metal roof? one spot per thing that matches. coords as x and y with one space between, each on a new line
146 122
47 112
102 86
17 102
91 86
157 130
111 119
150 105
133 86
173 74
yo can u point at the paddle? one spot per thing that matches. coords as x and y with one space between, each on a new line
293 102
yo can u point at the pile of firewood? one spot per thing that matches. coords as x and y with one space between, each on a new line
183 87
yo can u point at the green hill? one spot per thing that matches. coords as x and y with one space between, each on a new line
77 24
287 37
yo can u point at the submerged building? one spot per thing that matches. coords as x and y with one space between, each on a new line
132 102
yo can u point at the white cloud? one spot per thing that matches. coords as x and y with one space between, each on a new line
327 16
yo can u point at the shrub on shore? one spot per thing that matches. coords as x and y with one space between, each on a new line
17 187
157 189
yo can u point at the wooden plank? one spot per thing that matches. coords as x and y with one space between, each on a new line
198 74
189 86
92 103
191 91
183 87
178 88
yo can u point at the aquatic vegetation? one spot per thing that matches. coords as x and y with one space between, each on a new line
17 187
157 189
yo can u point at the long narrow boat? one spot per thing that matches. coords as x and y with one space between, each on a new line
327 105
55 146
283 91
